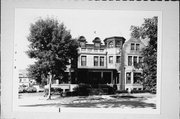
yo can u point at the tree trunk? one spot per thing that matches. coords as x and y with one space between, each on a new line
50 82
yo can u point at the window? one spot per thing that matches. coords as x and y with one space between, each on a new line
110 59
128 78
118 59
132 46
140 60
118 43
89 49
137 78
101 50
82 44
97 44
129 60
95 50
83 49
101 61
137 47
83 60
95 60
135 61
110 44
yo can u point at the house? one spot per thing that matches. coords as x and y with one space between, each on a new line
114 62
101 63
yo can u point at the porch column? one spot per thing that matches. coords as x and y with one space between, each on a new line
132 77
112 78
101 74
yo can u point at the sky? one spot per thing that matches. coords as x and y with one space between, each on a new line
87 23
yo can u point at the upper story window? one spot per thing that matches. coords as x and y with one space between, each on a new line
89 49
110 45
83 49
118 43
82 44
140 60
97 44
137 47
95 60
101 61
118 59
132 46
95 50
83 60
110 59
101 50
129 60
135 60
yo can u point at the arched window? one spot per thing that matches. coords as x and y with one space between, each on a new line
110 45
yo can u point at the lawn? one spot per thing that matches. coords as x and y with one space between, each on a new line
145 100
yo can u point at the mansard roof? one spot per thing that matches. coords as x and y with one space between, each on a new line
96 40
82 39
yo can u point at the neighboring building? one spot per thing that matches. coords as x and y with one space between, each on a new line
24 79
132 56
101 64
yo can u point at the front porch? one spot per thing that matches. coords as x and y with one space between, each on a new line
98 76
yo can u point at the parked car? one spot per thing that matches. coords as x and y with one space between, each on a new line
31 89
38 88
22 88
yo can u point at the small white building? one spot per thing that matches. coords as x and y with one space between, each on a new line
24 79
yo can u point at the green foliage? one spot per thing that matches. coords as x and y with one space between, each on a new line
52 46
148 30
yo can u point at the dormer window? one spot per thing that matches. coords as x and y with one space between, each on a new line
110 45
97 44
82 44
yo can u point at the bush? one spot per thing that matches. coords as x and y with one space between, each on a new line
96 91
121 91
107 89
82 90
140 91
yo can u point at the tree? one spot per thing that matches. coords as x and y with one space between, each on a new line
148 30
53 47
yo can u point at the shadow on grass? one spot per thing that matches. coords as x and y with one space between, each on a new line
105 104
108 104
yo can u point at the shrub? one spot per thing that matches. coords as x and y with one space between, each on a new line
96 91
121 91
107 89
82 90
140 91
